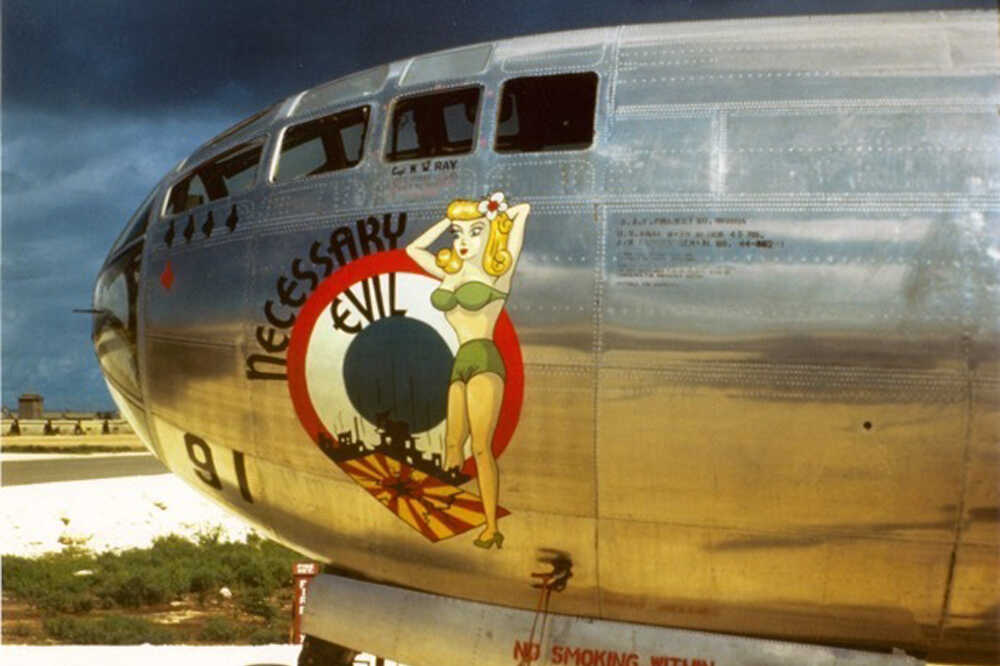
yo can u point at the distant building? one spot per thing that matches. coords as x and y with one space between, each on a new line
30 406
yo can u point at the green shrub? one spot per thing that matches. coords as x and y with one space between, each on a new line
207 576
210 537
49 583
171 568
107 630
17 630
172 548
136 591
66 600
252 574
219 630
255 602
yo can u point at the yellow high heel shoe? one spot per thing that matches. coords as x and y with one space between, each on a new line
497 539
452 460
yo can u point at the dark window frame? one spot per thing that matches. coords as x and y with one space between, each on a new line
368 114
241 125
513 144
215 185
127 264
138 223
432 127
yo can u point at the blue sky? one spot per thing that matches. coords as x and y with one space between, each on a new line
100 98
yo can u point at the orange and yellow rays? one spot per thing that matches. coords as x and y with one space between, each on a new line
430 506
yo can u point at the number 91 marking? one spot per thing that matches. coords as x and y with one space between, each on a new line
200 454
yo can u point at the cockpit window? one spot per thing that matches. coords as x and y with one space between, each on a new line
116 302
136 226
242 125
541 113
457 125
435 124
230 173
330 143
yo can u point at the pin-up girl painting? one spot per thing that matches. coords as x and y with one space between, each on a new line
475 274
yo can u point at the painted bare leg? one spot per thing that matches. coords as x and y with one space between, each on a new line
484 397
457 429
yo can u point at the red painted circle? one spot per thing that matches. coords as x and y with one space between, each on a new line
394 261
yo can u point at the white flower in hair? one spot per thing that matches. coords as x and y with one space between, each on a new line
493 205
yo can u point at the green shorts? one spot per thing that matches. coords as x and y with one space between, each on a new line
476 357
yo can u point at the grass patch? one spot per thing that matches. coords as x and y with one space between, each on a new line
116 589
17 630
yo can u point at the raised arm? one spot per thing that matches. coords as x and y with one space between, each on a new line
519 216
417 250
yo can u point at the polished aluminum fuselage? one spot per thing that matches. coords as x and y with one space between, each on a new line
758 320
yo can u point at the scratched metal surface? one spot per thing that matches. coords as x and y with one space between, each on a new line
395 622
758 318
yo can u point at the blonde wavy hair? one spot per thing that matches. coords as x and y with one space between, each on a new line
497 259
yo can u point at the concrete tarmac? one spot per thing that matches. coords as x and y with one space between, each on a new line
78 468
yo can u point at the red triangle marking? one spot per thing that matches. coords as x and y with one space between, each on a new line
167 276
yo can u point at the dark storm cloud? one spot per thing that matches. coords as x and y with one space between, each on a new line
163 55
100 99
160 56
81 178
69 184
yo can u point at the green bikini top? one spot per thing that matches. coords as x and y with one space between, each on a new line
471 296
